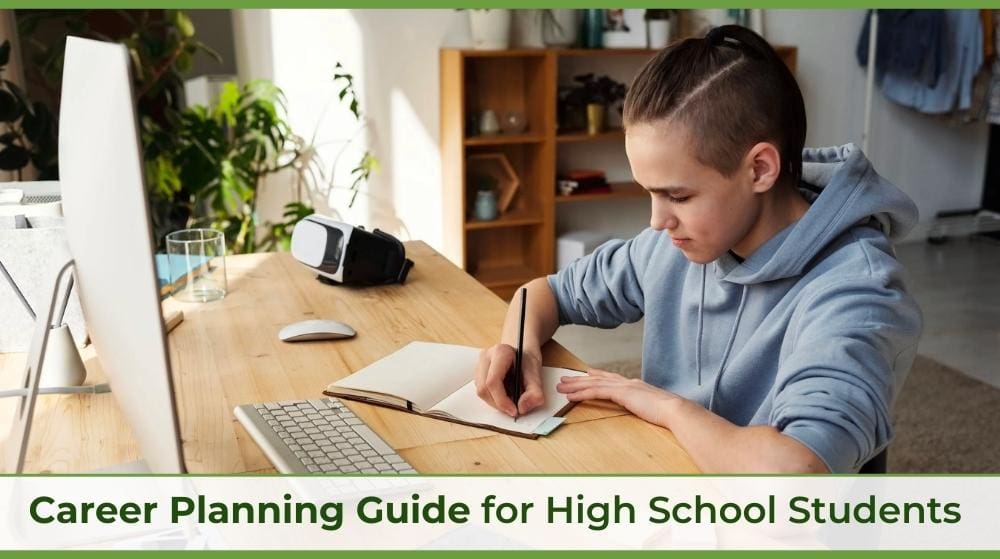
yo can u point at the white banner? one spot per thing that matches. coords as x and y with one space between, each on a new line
530 512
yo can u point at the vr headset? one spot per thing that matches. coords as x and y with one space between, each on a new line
346 255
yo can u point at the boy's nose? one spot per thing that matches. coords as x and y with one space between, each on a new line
661 219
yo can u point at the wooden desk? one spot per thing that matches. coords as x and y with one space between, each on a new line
227 353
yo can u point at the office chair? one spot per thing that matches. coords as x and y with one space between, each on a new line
878 464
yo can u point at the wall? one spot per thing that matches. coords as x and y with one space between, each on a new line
215 29
394 56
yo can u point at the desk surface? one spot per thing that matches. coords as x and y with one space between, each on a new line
227 353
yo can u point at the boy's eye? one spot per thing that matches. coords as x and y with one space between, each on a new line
678 199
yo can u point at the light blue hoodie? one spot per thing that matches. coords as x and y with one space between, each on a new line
813 333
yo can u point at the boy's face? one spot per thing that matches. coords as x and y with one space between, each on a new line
704 212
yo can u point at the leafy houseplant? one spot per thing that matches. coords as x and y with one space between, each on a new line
204 166
585 104
161 45
207 169
29 130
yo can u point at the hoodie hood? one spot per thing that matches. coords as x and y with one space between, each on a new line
845 191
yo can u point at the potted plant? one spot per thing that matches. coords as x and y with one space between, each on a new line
490 29
591 98
28 130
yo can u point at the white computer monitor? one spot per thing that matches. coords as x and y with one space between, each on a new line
110 239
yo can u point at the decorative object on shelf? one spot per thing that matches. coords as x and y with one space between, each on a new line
497 167
593 28
527 29
514 122
560 27
486 204
488 123
624 29
659 28
471 125
574 245
490 29
739 17
575 104
595 118
583 181
757 21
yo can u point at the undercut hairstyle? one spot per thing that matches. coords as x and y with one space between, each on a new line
729 91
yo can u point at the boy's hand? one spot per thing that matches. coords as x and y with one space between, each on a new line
494 362
644 400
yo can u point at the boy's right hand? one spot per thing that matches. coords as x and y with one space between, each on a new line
494 362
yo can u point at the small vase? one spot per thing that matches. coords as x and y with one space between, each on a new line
486 205
561 28
527 29
595 118
489 124
658 33
490 29
593 28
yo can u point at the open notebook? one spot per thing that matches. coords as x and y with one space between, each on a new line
436 380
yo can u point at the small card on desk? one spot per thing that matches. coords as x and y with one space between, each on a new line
436 380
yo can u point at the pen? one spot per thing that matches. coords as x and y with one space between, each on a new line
515 386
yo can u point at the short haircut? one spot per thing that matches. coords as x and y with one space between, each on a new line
729 90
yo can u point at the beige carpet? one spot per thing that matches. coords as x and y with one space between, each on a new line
946 422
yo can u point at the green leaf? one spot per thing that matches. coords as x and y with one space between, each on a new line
183 62
13 158
10 109
21 97
229 101
36 124
5 53
184 24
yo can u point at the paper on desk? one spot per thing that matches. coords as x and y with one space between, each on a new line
466 404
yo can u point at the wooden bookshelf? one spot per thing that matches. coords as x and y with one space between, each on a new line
616 134
618 190
519 245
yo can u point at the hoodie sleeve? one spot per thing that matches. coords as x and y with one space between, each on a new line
604 288
855 343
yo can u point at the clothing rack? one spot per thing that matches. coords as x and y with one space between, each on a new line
945 224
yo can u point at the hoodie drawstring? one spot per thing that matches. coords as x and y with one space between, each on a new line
729 344
701 315
729 347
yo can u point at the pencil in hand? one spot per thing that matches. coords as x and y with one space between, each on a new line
513 382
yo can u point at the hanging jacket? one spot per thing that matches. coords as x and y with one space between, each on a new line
813 333
962 56
908 44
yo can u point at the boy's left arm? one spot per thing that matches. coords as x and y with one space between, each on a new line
833 390
714 444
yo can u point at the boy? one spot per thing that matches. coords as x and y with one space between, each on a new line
777 328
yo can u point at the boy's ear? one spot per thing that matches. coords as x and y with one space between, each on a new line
764 164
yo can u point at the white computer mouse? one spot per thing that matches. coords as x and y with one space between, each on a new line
309 330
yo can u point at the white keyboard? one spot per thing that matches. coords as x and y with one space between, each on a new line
318 436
